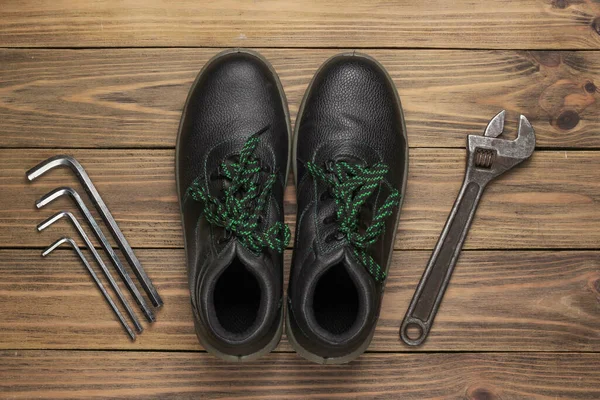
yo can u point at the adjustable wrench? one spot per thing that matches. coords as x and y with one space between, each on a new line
487 158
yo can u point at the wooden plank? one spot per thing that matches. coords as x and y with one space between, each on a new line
551 201
497 301
523 24
63 374
133 97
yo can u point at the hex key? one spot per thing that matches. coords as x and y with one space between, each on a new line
86 182
68 215
85 262
56 193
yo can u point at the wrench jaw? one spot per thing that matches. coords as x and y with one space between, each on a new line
525 138
489 157
496 125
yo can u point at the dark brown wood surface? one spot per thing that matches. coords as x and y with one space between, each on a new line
551 201
522 24
63 374
106 81
133 97
498 301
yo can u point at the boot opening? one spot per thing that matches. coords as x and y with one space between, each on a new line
237 298
335 301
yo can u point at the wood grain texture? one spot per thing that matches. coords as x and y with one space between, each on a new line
522 24
133 97
106 81
551 201
497 301
53 374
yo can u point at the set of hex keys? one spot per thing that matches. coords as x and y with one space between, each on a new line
77 169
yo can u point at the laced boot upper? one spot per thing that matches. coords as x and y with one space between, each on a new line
231 167
351 185
351 165
241 207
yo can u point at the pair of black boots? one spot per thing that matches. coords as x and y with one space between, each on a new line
349 156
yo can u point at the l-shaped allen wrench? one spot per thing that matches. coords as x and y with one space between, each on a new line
90 246
75 166
87 265
58 192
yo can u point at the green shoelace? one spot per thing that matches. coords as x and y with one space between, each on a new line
243 202
350 185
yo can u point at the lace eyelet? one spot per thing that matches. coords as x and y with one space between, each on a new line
337 236
325 196
225 238
329 165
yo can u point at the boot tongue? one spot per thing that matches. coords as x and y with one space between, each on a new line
361 273
250 259
357 271
343 254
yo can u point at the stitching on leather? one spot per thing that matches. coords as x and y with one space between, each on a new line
299 222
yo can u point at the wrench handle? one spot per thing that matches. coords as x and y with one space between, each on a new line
430 291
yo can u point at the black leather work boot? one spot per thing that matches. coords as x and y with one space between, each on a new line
232 164
351 154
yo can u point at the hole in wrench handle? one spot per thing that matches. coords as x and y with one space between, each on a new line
435 279
422 331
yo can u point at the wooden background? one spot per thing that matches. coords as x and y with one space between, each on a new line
106 80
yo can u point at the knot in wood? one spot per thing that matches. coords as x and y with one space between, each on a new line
567 120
